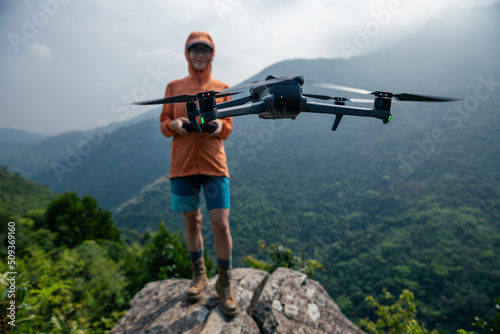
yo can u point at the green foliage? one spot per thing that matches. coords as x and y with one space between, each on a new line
17 195
163 256
79 289
492 325
400 317
463 331
75 220
283 257
81 285
86 289
7 294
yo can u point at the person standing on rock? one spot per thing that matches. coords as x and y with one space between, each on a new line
199 160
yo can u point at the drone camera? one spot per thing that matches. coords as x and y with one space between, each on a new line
287 95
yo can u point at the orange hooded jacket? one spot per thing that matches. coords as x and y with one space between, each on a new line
197 153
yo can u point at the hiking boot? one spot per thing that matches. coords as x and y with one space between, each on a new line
228 303
199 282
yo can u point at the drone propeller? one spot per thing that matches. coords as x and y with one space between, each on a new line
338 87
400 97
182 98
423 98
225 92
326 97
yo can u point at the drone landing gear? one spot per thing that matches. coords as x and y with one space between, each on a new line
340 101
207 111
192 112
338 118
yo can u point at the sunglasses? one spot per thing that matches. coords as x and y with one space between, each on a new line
204 51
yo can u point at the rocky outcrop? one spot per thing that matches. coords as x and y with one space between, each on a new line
284 302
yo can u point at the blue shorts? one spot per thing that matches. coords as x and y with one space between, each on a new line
186 190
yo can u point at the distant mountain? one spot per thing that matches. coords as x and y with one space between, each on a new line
148 115
18 195
113 166
35 157
8 135
13 141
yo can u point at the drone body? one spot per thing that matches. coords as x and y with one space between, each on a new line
280 98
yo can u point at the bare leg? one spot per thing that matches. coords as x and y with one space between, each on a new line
194 239
223 243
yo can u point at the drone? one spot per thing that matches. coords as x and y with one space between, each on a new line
282 98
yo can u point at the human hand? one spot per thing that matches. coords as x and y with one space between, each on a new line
217 131
177 123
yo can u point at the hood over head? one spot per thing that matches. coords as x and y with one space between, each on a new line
204 38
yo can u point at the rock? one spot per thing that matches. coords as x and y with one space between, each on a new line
284 302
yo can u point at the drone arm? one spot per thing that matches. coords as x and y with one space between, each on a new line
324 108
233 103
340 110
248 109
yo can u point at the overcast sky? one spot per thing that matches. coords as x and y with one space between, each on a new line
75 64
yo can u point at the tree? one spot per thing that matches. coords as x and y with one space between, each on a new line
282 256
396 318
75 220
493 325
163 256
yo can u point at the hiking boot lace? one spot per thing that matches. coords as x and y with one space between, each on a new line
226 285
197 273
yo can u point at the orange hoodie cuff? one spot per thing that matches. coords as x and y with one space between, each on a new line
166 128
227 128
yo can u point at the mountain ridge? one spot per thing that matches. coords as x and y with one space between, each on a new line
10 135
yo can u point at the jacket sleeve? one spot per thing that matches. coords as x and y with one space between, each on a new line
167 116
227 123
227 127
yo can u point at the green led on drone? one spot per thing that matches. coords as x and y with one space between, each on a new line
202 120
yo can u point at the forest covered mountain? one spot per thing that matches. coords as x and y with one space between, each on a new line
411 204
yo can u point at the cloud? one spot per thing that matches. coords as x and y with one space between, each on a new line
472 3
38 52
